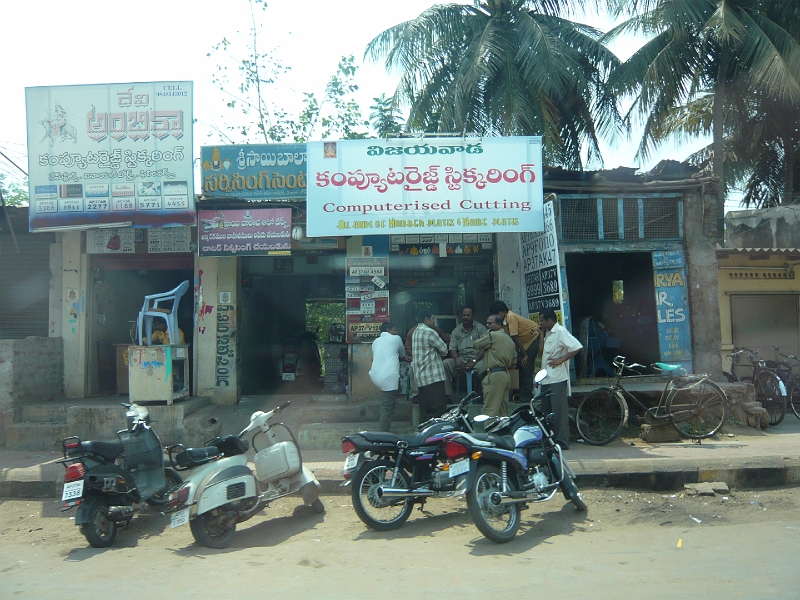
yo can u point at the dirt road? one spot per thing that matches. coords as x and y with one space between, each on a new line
648 544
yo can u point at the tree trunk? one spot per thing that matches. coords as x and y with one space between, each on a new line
717 216
788 169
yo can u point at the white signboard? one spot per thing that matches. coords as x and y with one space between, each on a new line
107 154
425 186
540 265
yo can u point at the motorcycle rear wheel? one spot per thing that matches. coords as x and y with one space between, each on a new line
212 529
380 514
99 531
498 523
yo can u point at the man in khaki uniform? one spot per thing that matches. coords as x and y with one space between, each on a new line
525 334
498 353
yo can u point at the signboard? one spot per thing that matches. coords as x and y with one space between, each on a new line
672 308
540 266
425 186
258 171
366 297
249 232
117 153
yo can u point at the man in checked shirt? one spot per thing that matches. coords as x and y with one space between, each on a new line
427 351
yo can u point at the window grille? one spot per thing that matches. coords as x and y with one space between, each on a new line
641 218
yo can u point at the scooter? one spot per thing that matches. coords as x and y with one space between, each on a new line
105 480
220 489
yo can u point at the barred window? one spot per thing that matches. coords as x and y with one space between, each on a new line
599 218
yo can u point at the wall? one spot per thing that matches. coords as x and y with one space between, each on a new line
30 370
216 344
74 277
777 227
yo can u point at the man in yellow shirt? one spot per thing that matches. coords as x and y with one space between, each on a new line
525 334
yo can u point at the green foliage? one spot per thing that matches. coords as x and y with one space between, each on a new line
385 118
14 194
251 82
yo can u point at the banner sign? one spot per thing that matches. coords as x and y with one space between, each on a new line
672 307
259 171
366 297
541 267
250 232
116 153
425 186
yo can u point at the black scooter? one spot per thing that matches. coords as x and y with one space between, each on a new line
106 479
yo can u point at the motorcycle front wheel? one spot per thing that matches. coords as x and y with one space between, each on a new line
99 531
498 523
213 529
380 514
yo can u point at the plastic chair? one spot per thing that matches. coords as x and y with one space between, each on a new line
163 306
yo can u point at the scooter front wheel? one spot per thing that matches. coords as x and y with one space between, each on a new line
498 523
99 530
381 514
213 529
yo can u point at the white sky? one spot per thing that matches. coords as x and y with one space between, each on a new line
66 42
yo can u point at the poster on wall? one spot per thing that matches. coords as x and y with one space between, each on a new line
114 154
425 186
541 267
672 307
366 297
246 232
257 171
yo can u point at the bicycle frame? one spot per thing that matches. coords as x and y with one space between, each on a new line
657 412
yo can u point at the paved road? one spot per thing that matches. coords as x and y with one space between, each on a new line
628 545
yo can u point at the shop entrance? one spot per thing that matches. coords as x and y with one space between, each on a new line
612 302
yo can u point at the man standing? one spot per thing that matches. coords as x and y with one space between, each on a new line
559 347
387 350
525 334
427 350
496 350
462 352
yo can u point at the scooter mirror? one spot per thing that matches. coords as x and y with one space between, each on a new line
481 418
540 376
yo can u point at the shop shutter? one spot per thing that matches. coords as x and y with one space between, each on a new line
25 285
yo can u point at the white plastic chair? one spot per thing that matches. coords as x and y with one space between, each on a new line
163 306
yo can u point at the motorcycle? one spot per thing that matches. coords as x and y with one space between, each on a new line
390 473
105 480
515 462
220 490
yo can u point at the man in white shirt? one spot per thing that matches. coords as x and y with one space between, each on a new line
387 350
559 347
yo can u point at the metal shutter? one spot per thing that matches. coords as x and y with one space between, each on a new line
25 285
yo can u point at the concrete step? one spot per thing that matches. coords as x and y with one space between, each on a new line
328 436
36 436
339 412
43 413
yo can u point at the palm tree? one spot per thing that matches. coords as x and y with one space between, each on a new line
722 46
504 67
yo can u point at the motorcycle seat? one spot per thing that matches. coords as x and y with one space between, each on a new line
384 437
107 450
193 457
506 442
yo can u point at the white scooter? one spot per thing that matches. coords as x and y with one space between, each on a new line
221 490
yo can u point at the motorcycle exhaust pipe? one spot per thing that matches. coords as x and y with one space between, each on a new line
384 492
498 499
120 513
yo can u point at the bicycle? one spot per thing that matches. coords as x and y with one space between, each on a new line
693 404
790 380
770 390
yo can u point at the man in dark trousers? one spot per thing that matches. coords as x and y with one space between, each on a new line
427 350
559 347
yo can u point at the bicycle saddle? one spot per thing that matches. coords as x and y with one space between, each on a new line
666 367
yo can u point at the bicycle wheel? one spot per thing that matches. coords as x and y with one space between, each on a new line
699 411
793 398
771 394
601 415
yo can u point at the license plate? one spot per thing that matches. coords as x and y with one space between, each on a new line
459 468
350 462
287 376
72 490
180 518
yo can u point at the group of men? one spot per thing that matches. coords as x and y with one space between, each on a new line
506 341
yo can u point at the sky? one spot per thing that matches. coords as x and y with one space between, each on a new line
70 42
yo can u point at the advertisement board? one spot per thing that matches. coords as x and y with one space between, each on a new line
257 171
245 232
110 154
541 266
366 297
424 186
